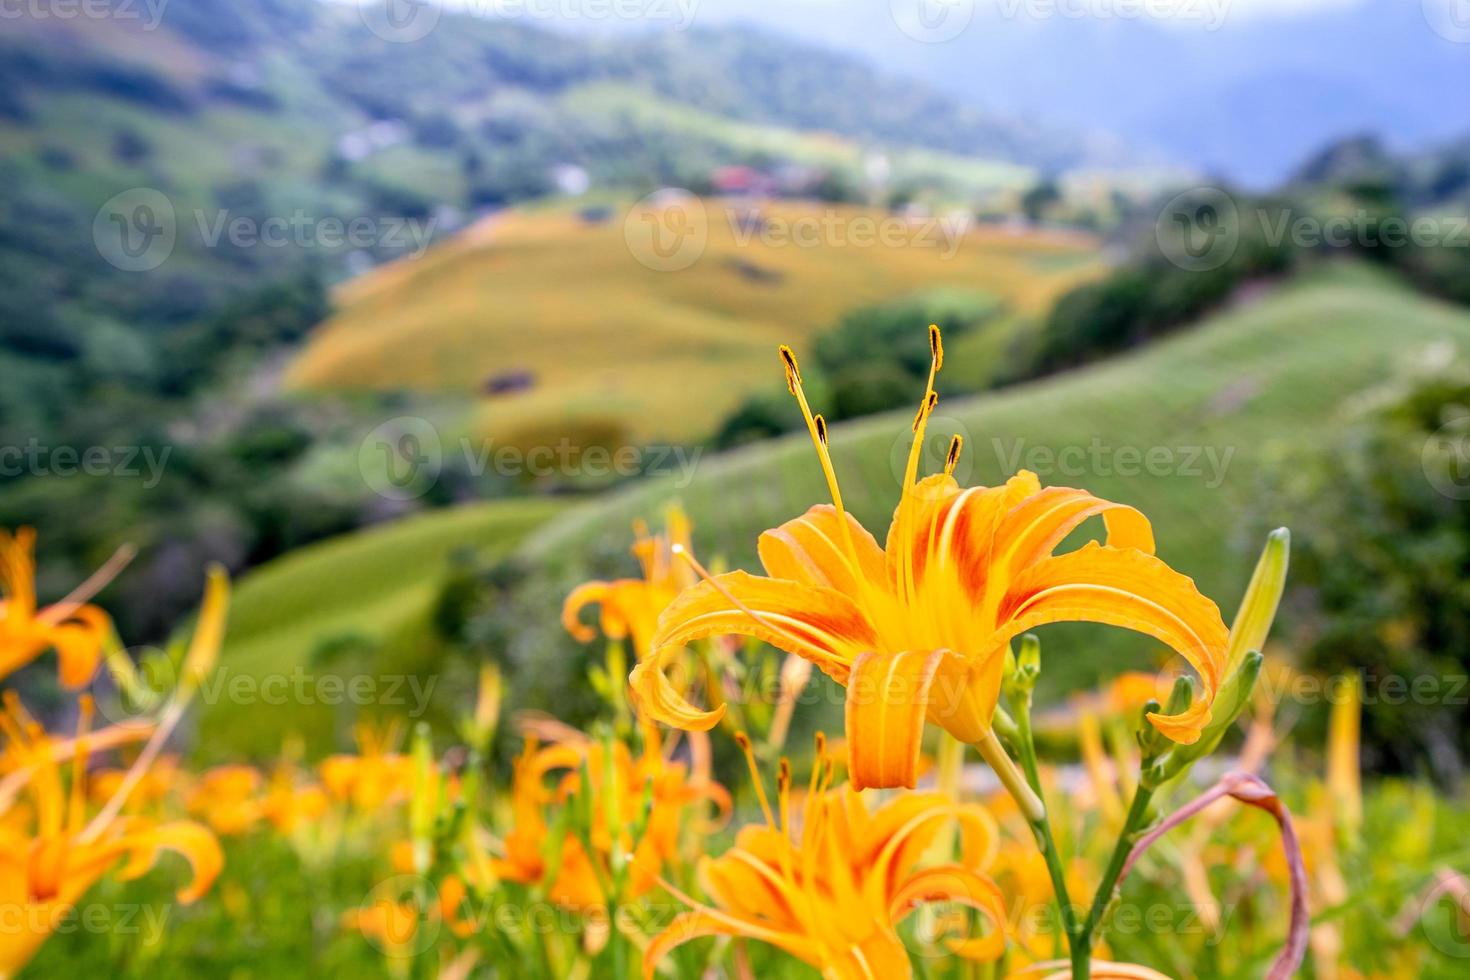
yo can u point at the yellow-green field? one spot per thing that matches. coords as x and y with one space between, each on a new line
617 341
373 587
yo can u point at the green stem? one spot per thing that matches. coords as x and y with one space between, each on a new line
1132 827
1045 839
1010 777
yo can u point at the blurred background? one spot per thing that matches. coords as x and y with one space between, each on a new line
406 311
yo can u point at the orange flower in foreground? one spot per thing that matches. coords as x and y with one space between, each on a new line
51 857
834 897
632 605
76 631
920 628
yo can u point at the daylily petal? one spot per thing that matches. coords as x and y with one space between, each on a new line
78 643
192 841
820 624
710 922
812 549
1033 528
581 596
1126 588
956 883
887 702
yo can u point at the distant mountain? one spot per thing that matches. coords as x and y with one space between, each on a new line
1248 99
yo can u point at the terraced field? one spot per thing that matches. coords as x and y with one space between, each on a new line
599 330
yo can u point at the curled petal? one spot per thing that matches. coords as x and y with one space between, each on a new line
580 597
820 624
190 840
1032 529
1126 588
79 641
709 922
955 883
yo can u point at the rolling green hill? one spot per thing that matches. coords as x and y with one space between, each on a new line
365 594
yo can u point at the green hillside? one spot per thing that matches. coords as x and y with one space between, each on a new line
365 593
1252 384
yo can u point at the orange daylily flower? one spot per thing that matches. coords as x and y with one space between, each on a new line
226 798
288 805
374 777
834 896
52 856
672 786
77 631
631 605
918 629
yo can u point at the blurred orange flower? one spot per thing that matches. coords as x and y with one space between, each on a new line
51 855
76 631
631 605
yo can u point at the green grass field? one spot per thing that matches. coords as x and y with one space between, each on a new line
364 591
1212 404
